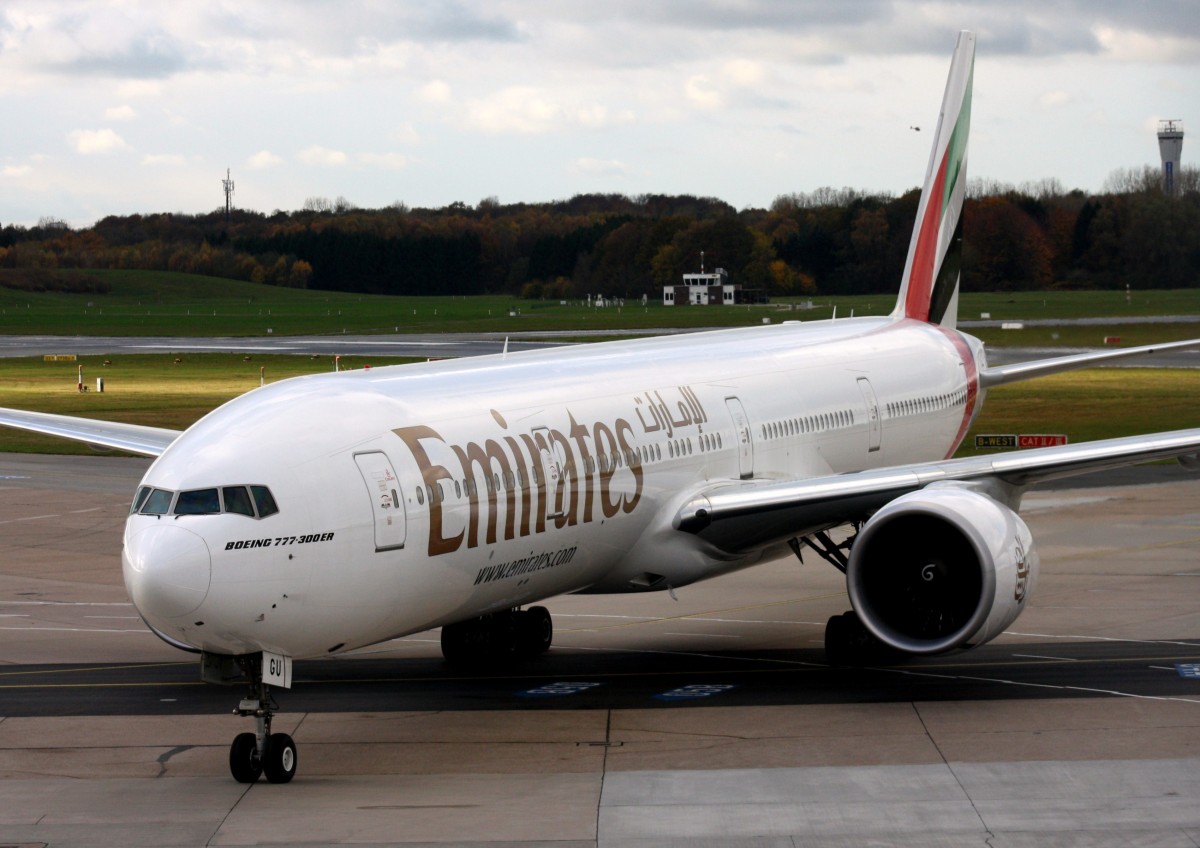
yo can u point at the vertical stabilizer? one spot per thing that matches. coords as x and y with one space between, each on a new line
929 289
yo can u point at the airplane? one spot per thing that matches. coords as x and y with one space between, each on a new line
325 513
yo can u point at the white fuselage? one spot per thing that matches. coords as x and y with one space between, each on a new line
414 496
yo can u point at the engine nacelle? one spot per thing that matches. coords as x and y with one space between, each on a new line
942 568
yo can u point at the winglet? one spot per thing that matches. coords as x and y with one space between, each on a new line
929 289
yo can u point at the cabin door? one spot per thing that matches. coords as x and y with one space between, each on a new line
387 507
745 439
872 404
553 461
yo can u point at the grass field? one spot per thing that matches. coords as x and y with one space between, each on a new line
154 390
1098 403
145 303
147 389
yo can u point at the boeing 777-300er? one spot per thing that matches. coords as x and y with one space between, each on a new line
324 513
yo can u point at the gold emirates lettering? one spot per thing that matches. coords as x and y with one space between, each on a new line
591 456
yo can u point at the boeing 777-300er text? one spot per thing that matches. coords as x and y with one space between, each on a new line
324 513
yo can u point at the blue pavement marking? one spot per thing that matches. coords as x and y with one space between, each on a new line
551 690
1188 670
696 690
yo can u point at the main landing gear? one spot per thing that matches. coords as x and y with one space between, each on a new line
501 636
847 639
261 752
849 642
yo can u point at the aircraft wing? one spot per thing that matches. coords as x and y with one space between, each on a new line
743 516
1001 374
134 438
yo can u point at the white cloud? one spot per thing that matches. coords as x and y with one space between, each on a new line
97 141
1132 45
406 134
139 88
262 160
317 155
168 159
1054 100
14 171
699 91
526 110
120 113
435 92
743 72
388 161
601 167
518 109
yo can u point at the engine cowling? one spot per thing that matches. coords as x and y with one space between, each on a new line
942 568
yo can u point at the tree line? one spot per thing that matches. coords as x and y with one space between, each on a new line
829 241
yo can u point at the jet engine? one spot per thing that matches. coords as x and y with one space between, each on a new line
946 567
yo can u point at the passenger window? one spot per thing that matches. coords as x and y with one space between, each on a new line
237 500
198 502
158 503
264 501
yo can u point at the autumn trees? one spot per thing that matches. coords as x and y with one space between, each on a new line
828 241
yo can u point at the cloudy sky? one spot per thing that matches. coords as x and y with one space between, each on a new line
118 106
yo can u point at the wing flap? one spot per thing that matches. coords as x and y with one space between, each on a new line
741 517
134 438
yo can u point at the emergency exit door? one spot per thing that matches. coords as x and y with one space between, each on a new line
387 507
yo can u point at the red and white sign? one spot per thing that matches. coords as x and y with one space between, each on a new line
1040 440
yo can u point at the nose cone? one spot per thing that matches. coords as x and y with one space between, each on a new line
167 570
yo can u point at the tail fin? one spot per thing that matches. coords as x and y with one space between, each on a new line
929 290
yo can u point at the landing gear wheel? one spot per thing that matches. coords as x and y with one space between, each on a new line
849 642
536 631
279 764
244 762
499 637
252 754
837 641
455 645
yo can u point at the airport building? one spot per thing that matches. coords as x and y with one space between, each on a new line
710 289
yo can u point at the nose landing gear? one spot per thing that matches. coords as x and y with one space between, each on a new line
260 752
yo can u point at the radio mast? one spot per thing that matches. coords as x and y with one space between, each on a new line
227 184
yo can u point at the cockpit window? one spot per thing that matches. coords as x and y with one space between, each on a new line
142 494
198 502
158 503
264 501
237 500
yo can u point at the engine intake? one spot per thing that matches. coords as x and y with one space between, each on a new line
942 568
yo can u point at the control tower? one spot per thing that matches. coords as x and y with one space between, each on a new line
1170 147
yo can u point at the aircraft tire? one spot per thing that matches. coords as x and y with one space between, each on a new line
279 764
455 648
837 641
244 762
536 632
849 642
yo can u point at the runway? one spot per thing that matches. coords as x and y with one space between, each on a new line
420 345
449 345
708 720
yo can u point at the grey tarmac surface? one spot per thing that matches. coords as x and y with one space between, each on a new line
1075 728
449 345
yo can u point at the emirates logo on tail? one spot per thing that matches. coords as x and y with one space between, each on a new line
931 273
